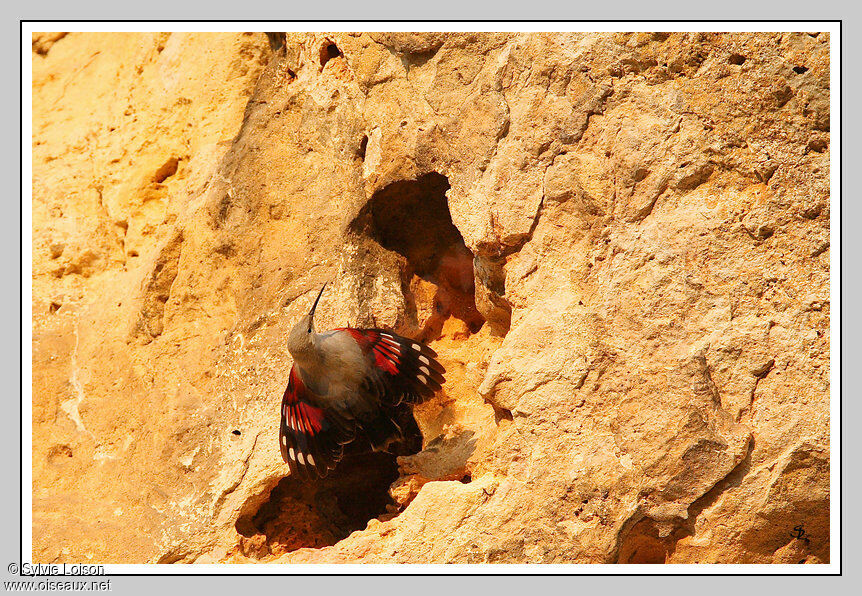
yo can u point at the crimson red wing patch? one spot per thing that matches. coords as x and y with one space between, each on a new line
307 440
401 369
304 418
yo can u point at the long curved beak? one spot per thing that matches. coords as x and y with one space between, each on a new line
311 312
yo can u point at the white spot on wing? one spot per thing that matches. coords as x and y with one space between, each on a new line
299 457
423 379
417 347
291 453
425 370
284 440
310 459
424 359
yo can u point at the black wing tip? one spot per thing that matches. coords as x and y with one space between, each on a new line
424 348
319 469
309 472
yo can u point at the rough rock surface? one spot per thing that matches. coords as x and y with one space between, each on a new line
617 243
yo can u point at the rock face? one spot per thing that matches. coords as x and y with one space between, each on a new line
617 243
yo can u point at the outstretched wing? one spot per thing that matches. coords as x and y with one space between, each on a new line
308 439
401 369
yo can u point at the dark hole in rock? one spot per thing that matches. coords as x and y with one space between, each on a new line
276 40
412 218
223 208
328 51
817 145
642 544
168 169
501 414
491 295
640 174
813 212
363 145
736 59
54 307
417 59
237 433
58 453
800 69
313 513
56 249
466 479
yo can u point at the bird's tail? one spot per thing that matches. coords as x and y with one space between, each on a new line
394 430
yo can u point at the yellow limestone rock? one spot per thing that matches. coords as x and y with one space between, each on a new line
617 243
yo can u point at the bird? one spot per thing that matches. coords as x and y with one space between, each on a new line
349 384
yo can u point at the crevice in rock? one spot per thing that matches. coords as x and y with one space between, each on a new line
644 542
365 485
699 176
413 49
175 555
157 291
411 218
410 221
303 513
759 374
490 273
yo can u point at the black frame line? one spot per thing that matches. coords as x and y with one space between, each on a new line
840 22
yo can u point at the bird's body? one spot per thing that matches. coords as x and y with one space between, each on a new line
347 384
334 367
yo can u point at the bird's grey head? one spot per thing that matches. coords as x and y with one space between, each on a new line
300 342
